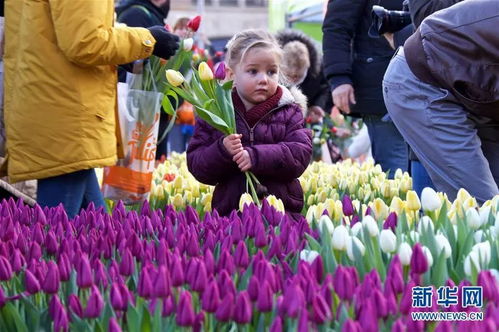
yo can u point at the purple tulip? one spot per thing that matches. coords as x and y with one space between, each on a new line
200 277
100 275
35 252
193 246
114 326
303 321
209 262
492 311
241 256
31 282
265 298
406 301
61 321
489 285
226 284
127 265
144 289
168 306
399 326
275 248
391 222
321 310
5 269
380 302
367 317
162 283
94 304
211 297
64 267
84 273
116 299
276 325
18 261
294 300
343 283
51 245
351 326
74 305
317 269
52 279
347 205
220 71
54 306
419 264
254 288
225 309
243 309
226 262
395 275
444 326
177 272
185 312
260 236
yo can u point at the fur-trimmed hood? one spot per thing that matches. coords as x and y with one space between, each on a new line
289 35
293 95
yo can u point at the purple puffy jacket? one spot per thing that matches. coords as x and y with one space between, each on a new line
280 148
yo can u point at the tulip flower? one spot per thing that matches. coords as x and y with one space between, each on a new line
472 258
294 300
187 44
84 274
276 325
211 298
75 305
185 312
347 206
489 285
253 288
94 304
205 73
321 310
265 298
114 326
473 218
387 241
31 282
343 283
127 265
419 262
351 326
226 308
52 279
430 201
354 242
405 253
303 321
391 222
326 225
200 278
144 288
443 244
174 77
116 298
425 224
340 238
243 310
220 73
412 200
5 269
162 283
194 23
308 255
483 252
371 225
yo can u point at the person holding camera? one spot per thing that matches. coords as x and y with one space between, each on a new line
354 65
442 91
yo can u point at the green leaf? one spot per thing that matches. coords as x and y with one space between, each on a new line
166 103
213 120
32 313
146 325
133 319
439 270
13 319
314 245
228 85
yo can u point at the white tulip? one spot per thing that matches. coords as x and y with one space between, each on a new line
478 236
414 236
483 251
187 44
356 228
472 258
405 253
354 242
326 225
496 226
473 219
340 238
387 241
308 255
430 201
429 256
425 223
484 214
371 225
443 244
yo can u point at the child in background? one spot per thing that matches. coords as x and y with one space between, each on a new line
272 141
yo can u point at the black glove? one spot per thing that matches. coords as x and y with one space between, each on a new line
166 42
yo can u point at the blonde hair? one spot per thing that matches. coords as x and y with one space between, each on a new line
296 56
181 23
243 41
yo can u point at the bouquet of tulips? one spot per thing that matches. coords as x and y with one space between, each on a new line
212 100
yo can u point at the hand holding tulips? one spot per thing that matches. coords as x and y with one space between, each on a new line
232 144
243 160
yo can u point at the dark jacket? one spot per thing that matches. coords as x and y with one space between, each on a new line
280 152
140 13
351 56
420 9
456 49
315 86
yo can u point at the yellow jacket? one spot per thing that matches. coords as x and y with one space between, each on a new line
60 84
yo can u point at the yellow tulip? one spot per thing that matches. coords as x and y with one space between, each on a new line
412 201
159 192
397 205
174 77
205 73
177 201
178 183
276 203
462 195
380 209
207 207
245 200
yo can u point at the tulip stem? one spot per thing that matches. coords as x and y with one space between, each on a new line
252 188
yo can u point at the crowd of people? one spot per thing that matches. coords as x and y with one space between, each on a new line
427 95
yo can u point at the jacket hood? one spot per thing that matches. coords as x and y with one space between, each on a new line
289 35
126 4
293 95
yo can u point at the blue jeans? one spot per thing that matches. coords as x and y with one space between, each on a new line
387 145
420 177
74 190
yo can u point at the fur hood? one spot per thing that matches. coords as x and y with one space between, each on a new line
289 35
293 95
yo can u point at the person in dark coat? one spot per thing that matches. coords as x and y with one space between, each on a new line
145 13
354 65
272 141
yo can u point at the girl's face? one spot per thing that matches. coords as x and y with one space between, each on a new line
181 32
256 76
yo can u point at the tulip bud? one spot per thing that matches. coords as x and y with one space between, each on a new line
52 279
127 265
356 228
113 325
425 224
115 297
351 326
244 201
354 242
326 225
405 253
253 288
430 201
391 222
347 205
205 73
226 308
185 312
443 244
340 238
144 289
187 44
387 241
220 71
174 77
371 225
412 200
5 269
483 252
32 284
194 23
94 304
84 275
211 298
473 218
276 325
308 255
243 310
162 283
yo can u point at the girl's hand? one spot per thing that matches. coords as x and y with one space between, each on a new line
243 160
232 144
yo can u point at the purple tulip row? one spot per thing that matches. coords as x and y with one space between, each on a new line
208 273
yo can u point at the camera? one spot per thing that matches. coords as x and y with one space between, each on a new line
384 21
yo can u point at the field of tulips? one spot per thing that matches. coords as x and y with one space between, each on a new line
349 265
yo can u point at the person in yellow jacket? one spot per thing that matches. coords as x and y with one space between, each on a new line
61 61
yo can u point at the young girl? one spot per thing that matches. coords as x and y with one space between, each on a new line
272 141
